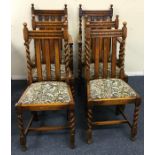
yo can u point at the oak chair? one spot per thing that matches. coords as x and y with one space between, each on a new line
103 45
47 93
92 15
54 25
108 91
51 19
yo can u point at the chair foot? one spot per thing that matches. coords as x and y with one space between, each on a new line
89 131
135 120
89 137
133 138
21 128
72 128
23 148
72 141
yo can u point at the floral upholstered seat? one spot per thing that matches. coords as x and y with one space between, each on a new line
101 71
62 72
46 92
110 88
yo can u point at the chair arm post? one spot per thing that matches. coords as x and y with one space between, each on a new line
79 56
70 42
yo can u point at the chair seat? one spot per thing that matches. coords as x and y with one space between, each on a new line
92 74
46 92
62 72
110 88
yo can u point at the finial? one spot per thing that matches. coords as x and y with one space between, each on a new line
33 17
80 5
124 24
65 18
33 21
117 16
25 25
32 5
124 29
116 22
65 23
65 6
25 32
111 6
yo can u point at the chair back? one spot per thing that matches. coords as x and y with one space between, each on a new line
46 36
46 25
116 36
94 15
94 25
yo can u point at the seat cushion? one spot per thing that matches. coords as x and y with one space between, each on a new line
110 88
62 72
46 92
92 74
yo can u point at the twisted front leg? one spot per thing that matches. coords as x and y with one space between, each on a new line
89 121
135 120
21 127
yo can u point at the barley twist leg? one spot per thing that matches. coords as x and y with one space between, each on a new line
21 128
135 120
72 128
89 131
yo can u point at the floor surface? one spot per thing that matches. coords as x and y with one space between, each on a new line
107 140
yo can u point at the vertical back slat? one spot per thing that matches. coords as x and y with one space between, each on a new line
47 58
43 51
108 44
38 57
105 59
60 42
97 53
52 51
60 48
46 18
35 53
57 59
113 65
40 18
92 56
100 49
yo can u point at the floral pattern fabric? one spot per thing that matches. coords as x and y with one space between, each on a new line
110 88
92 74
46 92
62 72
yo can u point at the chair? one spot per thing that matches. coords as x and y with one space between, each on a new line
47 93
104 44
93 15
98 19
108 91
50 19
55 25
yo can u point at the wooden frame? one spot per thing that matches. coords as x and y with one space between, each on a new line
37 36
56 25
51 19
117 36
98 19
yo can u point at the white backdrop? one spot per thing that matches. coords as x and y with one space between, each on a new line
128 10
